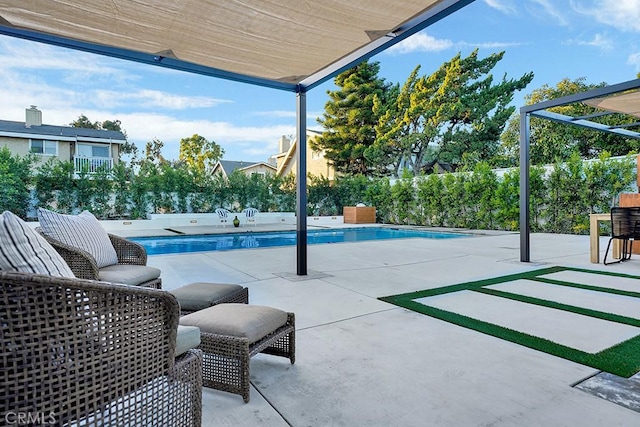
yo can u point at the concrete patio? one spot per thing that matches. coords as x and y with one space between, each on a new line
364 362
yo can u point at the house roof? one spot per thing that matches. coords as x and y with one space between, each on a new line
291 152
60 133
284 44
228 166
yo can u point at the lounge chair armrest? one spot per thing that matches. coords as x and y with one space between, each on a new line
128 252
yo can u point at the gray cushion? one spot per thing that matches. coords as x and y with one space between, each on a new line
240 320
188 337
197 296
128 274
24 250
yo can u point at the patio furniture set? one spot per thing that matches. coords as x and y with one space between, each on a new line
249 215
89 336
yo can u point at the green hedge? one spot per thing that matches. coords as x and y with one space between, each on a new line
561 197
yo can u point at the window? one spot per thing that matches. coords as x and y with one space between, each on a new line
44 147
87 150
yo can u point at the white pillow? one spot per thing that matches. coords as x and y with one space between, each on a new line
80 231
23 249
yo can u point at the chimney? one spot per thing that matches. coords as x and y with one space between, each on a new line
33 117
284 143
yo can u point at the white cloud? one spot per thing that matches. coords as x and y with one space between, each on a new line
491 45
549 9
236 140
420 42
600 41
621 14
154 99
505 6
634 59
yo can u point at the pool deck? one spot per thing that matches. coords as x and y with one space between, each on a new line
363 362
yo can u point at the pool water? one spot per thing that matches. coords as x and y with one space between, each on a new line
226 242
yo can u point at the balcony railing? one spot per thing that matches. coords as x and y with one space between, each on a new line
92 165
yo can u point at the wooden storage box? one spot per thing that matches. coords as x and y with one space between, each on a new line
359 215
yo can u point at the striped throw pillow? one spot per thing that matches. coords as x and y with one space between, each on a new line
80 231
23 249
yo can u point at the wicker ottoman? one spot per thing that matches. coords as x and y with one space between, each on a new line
230 334
201 295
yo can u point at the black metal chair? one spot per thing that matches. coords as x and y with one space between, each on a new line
625 226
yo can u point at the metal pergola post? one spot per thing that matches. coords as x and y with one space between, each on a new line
525 244
301 181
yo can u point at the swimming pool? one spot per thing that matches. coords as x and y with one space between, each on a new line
245 240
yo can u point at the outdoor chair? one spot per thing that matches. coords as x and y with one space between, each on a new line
223 216
82 352
131 268
250 215
94 254
625 225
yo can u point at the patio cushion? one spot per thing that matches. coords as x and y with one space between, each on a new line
239 320
128 274
24 250
200 295
81 231
188 338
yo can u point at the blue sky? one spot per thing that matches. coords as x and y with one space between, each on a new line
556 39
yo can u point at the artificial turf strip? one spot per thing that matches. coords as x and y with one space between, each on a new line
622 359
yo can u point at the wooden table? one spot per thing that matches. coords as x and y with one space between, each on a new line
594 237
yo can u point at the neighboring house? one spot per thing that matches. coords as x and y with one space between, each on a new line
226 167
317 164
438 167
86 148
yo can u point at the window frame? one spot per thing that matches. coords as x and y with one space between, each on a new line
107 147
44 147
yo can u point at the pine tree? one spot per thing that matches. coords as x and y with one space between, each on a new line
349 119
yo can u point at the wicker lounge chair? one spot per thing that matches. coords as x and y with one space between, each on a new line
130 254
80 352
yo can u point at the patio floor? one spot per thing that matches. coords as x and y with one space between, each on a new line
364 362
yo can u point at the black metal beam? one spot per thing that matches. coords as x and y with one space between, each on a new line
301 182
594 115
430 16
525 226
579 97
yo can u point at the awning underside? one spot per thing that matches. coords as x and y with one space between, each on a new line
283 41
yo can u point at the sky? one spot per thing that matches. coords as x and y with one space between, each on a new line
598 40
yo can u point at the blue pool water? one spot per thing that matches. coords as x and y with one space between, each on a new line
226 242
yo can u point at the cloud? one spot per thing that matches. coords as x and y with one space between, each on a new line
549 9
634 59
600 41
153 99
505 6
78 67
236 140
420 42
490 45
621 14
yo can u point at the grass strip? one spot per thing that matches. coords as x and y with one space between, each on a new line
622 359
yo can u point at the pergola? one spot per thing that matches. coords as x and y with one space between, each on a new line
290 45
619 98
